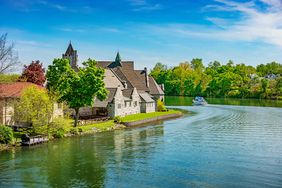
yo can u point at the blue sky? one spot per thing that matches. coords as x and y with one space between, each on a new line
146 31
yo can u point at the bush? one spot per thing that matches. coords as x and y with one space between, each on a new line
6 135
161 106
80 130
74 131
117 119
60 133
59 126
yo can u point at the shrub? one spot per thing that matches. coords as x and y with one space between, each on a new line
161 106
117 119
59 126
60 133
6 135
80 130
74 131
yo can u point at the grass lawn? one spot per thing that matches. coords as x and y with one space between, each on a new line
101 126
141 116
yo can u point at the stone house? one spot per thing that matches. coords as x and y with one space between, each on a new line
130 91
10 93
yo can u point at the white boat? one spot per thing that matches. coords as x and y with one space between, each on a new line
199 101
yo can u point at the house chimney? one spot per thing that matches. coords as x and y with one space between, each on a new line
146 77
124 84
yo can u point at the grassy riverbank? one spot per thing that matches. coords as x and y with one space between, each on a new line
142 116
111 124
64 127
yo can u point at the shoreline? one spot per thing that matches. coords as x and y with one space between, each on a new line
94 128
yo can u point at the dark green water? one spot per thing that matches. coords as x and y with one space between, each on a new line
187 101
216 146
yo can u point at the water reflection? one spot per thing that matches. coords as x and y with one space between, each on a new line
187 101
214 146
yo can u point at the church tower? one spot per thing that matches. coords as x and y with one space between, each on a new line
71 54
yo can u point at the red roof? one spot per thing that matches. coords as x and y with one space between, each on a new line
14 90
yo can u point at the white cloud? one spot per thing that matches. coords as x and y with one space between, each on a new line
254 23
143 5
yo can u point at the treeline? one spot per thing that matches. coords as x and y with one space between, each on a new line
217 80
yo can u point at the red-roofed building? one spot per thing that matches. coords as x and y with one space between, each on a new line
9 92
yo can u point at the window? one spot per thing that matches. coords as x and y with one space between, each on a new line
125 104
119 106
135 103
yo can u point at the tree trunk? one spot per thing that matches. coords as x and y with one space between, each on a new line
76 117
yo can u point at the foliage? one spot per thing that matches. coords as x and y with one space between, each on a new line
8 58
34 107
34 73
76 89
60 133
6 135
59 126
270 68
161 106
8 78
117 119
217 80
74 131
142 116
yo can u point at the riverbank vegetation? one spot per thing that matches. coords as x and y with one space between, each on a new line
217 80
64 127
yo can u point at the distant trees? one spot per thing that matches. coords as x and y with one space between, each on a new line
34 73
270 68
8 58
76 89
216 80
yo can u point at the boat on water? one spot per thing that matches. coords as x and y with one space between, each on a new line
199 101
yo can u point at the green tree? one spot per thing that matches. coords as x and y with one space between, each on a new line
197 64
279 86
34 106
76 89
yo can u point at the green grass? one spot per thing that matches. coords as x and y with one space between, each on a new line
141 116
101 126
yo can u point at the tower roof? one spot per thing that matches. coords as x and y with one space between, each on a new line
70 49
118 58
117 62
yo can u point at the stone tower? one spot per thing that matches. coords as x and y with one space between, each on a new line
71 54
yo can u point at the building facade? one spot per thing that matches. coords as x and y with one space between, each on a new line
130 91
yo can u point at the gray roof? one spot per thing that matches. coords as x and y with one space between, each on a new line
127 92
111 80
109 99
146 97
124 64
155 89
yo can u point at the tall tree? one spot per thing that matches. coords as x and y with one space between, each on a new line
197 64
76 89
8 58
34 73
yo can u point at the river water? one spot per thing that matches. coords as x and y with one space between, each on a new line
211 146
